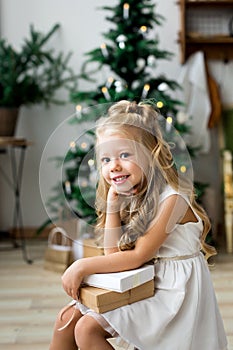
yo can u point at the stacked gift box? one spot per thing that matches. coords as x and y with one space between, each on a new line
105 292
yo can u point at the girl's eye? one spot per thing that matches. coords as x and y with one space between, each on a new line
105 160
124 155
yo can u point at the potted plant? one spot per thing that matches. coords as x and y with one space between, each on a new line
31 75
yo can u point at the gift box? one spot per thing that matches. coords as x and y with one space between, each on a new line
121 281
102 300
91 248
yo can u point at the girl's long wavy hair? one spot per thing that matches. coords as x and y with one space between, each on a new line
140 123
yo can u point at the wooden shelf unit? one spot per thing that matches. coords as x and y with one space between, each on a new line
216 45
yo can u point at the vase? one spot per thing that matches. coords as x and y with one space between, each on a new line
8 121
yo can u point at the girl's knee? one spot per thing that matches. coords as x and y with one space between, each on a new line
82 330
63 332
85 330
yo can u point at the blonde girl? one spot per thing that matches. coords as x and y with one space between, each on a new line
146 212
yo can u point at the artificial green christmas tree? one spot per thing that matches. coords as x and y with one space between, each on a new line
131 56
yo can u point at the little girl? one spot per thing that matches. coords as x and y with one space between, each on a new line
145 210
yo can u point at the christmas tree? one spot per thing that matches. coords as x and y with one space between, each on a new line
131 57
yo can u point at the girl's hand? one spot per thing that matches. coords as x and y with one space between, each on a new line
113 196
72 279
116 198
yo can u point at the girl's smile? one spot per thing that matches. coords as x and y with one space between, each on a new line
120 179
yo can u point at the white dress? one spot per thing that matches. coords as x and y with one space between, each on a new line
183 314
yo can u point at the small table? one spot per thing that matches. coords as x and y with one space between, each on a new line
16 147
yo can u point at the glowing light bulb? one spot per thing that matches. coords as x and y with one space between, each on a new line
126 10
91 163
169 120
183 169
104 50
106 93
169 124
73 146
68 187
159 104
109 82
83 145
78 110
145 90
143 30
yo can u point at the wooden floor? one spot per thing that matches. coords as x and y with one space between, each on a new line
31 297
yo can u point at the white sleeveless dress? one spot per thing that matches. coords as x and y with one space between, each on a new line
183 314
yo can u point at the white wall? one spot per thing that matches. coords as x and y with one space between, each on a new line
81 28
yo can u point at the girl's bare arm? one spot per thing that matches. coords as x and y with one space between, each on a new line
145 249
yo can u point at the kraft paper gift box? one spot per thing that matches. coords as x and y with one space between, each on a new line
91 248
121 281
102 300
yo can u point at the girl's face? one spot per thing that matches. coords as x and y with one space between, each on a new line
122 163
